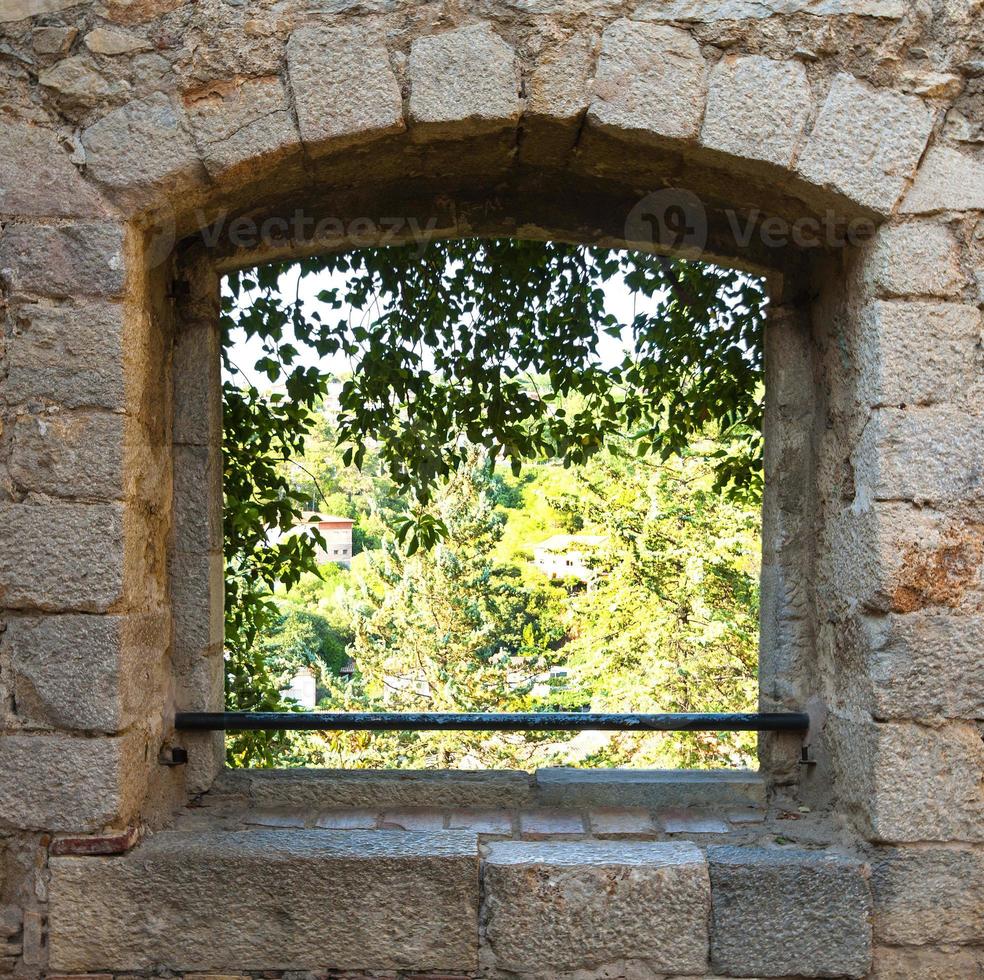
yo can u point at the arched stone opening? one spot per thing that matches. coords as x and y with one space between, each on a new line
873 591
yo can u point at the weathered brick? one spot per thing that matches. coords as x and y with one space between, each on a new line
649 82
621 820
98 673
355 819
684 821
61 783
345 91
61 557
757 108
118 843
418 818
783 911
866 143
215 901
466 80
37 179
920 353
71 354
913 259
74 454
587 906
482 821
948 180
240 121
545 822
80 259
928 895
142 144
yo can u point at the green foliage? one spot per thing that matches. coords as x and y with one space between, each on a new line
672 624
488 344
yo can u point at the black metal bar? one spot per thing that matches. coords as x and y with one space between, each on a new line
541 721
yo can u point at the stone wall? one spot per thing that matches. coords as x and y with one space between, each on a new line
833 145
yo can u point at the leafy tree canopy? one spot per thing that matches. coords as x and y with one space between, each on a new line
491 344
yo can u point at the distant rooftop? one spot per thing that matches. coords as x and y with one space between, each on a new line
562 542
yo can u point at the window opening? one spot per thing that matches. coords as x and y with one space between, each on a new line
493 477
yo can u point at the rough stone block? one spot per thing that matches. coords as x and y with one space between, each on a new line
241 121
142 144
781 912
920 353
111 43
76 454
379 789
948 180
197 508
345 91
196 597
562 786
79 86
929 455
928 895
596 905
70 354
61 557
918 258
757 108
80 259
558 94
712 10
37 179
198 386
910 782
97 673
649 82
866 143
60 783
925 665
891 556
14 10
300 899
927 964
463 81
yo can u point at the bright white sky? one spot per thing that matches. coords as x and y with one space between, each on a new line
620 300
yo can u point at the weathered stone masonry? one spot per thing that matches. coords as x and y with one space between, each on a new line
126 127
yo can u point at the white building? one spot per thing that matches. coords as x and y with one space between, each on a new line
303 688
567 556
337 532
